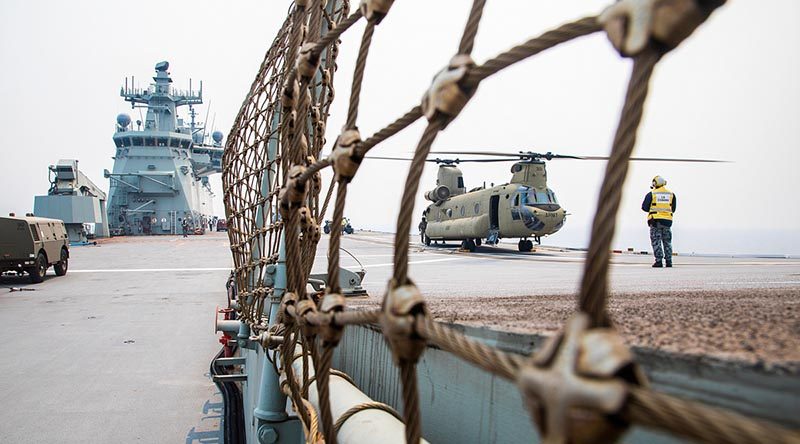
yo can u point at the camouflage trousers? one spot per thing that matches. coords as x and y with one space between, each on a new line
659 234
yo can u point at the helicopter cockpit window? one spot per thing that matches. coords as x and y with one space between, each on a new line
539 197
460 182
477 208
516 200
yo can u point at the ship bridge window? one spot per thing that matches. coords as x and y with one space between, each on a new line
118 143
162 141
175 143
184 143
150 141
137 141
126 141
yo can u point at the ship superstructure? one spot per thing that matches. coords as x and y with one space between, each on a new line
162 167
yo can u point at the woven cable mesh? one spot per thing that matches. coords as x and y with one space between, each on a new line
280 130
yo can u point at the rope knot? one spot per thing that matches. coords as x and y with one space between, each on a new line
289 94
306 308
289 307
293 193
307 62
316 178
577 382
306 219
446 97
375 9
331 333
400 307
345 159
632 24
309 226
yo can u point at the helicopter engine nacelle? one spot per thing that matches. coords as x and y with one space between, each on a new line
438 194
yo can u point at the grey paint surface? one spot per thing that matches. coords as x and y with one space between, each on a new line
68 375
462 403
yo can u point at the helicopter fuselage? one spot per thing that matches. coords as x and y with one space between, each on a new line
510 211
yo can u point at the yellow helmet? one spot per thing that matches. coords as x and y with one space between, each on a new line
658 182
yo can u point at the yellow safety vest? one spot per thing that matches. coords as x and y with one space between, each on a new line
661 204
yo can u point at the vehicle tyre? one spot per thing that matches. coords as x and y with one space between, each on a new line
469 245
426 240
39 269
525 246
327 229
478 242
62 265
348 229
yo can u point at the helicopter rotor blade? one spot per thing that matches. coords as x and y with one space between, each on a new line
446 161
549 156
477 153
387 158
658 159
519 155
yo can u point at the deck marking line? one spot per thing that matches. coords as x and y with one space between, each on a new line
389 264
148 270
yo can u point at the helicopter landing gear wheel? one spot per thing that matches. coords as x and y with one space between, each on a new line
468 244
478 242
525 245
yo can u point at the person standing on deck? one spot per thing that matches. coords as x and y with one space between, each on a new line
660 204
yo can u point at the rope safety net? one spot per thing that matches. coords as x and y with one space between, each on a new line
273 189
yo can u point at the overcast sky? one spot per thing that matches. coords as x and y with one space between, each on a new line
729 92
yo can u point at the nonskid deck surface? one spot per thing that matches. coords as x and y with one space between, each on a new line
118 350
741 309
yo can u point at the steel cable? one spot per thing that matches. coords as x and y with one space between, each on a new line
593 292
244 171
701 423
488 358
549 39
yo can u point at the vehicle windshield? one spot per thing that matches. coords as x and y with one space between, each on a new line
533 196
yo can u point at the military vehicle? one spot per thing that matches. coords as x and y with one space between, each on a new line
346 227
524 208
32 244
162 167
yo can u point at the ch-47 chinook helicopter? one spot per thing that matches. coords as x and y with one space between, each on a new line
524 208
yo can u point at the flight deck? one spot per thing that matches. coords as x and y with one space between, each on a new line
125 357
